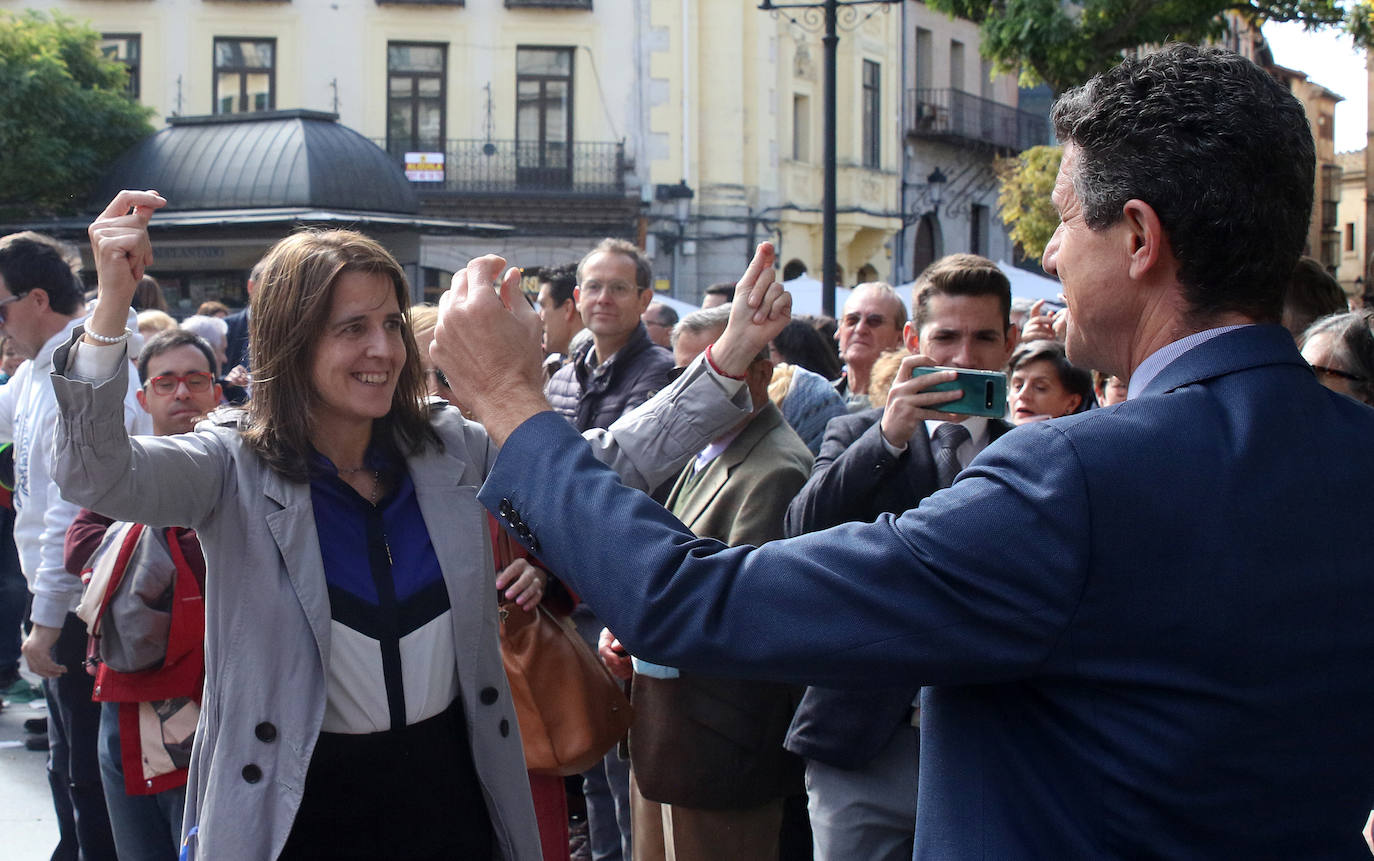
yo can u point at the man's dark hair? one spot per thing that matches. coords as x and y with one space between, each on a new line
960 275
794 269
170 339
561 280
30 261
799 343
721 288
1311 293
666 316
1219 149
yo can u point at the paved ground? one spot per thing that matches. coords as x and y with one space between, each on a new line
28 828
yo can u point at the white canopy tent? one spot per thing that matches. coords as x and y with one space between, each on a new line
682 308
1024 285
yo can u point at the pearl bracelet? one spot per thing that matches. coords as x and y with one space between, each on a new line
107 339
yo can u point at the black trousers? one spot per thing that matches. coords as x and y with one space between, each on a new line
73 754
410 793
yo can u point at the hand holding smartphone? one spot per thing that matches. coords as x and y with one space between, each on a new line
984 392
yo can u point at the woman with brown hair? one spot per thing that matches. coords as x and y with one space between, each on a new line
355 702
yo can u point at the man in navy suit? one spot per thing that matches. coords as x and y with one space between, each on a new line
861 747
1143 630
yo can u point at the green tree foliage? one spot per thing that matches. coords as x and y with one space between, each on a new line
65 114
1027 181
1064 43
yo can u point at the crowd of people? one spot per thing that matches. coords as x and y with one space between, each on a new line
860 613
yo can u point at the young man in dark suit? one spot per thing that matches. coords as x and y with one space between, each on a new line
1142 630
862 747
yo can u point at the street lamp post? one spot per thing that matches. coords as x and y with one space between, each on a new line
830 13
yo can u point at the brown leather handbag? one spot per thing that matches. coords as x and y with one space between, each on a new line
570 710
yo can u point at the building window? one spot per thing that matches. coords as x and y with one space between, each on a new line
543 116
123 48
245 75
925 55
872 114
978 229
801 128
548 4
415 96
956 65
1350 236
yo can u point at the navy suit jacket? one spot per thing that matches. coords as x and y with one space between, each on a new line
236 348
856 478
1144 630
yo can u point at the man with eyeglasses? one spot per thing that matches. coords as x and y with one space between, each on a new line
870 326
616 371
178 390
41 302
621 367
660 319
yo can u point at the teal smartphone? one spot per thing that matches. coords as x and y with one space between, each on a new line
985 392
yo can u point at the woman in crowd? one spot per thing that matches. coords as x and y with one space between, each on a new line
148 296
355 702
1340 348
1045 384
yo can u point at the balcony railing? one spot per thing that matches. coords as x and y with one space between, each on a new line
548 4
956 115
522 167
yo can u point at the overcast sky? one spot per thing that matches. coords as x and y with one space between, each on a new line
1329 58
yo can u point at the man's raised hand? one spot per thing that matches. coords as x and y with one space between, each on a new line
487 345
760 310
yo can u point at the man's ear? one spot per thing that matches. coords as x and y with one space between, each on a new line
41 297
577 298
142 399
1013 338
1146 242
569 307
910 338
646 298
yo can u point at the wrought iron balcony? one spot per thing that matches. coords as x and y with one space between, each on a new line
549 4
956 116
511 167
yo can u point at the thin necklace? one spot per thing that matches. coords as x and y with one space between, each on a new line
376 480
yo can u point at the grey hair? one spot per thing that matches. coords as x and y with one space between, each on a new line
213 329
703 320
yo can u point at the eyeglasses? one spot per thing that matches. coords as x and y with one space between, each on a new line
197 382
3 302
874 321
616 289
1324 371
657 323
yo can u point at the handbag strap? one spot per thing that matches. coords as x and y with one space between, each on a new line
126 549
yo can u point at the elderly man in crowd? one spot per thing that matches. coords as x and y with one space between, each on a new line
870 326
1171 658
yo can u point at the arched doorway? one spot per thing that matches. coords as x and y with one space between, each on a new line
929 244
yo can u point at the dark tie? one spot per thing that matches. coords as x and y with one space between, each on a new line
948 437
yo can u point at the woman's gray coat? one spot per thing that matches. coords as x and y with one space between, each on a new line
267 608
